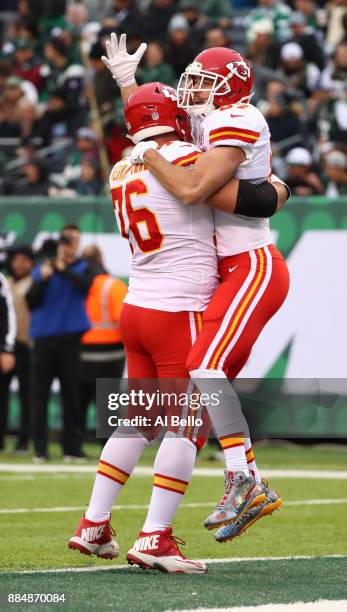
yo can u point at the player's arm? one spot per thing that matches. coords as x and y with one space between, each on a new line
195 184
250 200
121 64
209 181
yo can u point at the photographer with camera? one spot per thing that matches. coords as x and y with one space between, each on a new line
57 303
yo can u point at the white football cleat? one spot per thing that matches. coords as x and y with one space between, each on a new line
159 550
94 539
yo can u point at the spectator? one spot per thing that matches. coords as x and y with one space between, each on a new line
58 121
12 93
58 73
301 179
294 70
218 12
198 22
336 17
309 9
76 15
156 19
25 65
85 149
102 81
35 182
124 16
282 115
20 265
180 49
216 36
102 352
9 128
57 303
262 49
304 37
278 12
89 183
334 77
27 116
335 170
154 67
333 95
7 344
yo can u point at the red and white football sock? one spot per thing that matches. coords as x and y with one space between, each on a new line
173 468
118 459
233 447
251 461
226 416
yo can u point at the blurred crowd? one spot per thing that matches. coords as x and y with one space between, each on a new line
59 320
61 120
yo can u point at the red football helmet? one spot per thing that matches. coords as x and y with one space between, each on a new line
222 73
152 110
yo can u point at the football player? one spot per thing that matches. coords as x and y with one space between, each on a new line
216 90
173 277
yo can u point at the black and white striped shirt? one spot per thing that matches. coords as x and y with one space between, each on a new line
8 326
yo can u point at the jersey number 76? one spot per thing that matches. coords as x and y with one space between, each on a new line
141 222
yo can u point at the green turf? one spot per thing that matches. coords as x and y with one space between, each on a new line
272 456
42 537
225 585
38 541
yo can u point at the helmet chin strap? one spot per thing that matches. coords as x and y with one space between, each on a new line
200 111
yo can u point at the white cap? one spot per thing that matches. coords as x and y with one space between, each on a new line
178 22
291 51
262 26
338 159
299 157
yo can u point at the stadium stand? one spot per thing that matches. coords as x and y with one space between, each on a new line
53 84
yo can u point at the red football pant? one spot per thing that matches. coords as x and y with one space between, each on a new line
253 287
157 345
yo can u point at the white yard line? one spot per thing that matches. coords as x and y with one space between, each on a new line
297 502
108 568
323 605
51 468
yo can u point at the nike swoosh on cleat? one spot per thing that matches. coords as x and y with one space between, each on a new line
195 563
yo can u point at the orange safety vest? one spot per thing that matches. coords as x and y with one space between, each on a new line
103 304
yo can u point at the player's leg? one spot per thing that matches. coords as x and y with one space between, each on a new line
173 466
275 288
226 416
254 286
118 458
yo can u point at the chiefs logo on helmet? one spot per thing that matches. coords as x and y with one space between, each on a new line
216 77
240 69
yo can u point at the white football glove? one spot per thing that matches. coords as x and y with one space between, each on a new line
120 63
139 150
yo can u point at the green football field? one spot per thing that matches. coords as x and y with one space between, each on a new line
298 554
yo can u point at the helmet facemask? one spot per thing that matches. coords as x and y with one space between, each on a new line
194 81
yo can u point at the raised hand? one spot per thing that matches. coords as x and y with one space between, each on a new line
120 63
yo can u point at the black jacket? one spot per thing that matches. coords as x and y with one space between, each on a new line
8 327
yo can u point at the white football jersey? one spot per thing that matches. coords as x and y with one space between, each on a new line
243 126
174 261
